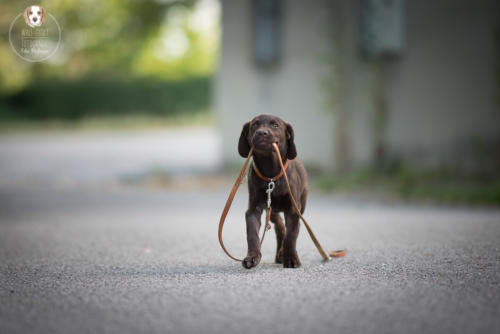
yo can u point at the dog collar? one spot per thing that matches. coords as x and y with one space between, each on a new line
269 179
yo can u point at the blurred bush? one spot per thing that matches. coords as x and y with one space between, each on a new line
94 96
116 57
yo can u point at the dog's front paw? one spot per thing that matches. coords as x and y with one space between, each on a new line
291 261
251 261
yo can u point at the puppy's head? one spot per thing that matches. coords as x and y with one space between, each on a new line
34 16
264 130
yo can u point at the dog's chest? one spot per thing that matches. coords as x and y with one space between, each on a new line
280 199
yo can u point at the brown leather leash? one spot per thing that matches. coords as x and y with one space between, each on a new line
229 201
267 226
269 179
335 253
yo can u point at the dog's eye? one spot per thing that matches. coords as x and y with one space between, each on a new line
275 125
31 12
39 13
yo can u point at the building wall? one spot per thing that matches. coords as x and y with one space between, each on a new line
293 90
441 94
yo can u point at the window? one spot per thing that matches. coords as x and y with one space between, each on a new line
266 32
382 32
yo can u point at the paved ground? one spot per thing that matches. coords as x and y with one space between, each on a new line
100 257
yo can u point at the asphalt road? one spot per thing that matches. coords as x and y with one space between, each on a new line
131 260
109 258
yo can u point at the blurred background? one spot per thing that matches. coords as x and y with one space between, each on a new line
389 98
117 154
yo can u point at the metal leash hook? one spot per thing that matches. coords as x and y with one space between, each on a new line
269 190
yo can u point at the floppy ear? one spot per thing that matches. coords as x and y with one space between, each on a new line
26 14
243 145
291 153
43 15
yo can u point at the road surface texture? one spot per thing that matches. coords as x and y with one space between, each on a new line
109 257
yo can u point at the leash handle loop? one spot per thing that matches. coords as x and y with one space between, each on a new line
236 185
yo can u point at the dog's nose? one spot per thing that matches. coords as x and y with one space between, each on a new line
262 132
35 19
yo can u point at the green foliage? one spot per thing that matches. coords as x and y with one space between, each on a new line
95 96
113 60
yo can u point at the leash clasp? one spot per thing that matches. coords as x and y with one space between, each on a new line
269 190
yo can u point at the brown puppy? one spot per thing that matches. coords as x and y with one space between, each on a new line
261 132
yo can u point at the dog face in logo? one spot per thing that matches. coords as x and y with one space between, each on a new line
34 16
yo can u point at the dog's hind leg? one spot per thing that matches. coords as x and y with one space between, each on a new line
279 228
